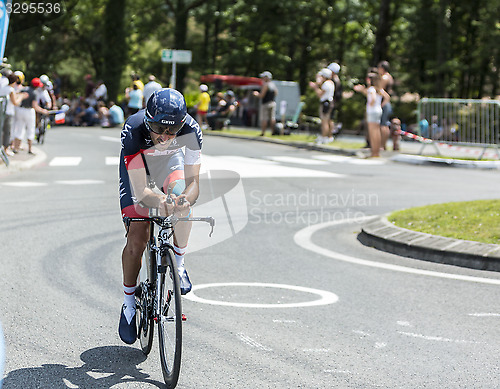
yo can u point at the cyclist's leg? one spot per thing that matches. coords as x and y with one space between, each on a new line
137 238
175 180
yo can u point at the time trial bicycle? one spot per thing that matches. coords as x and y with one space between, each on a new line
158 296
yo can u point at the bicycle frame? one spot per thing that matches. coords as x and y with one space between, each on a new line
166 226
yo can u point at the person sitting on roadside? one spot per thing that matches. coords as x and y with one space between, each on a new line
103 114
117 116
88 116
226 107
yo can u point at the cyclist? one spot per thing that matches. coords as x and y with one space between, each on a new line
151 148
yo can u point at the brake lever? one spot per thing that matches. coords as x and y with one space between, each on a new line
212 224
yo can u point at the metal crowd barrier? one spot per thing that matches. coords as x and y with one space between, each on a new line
468 122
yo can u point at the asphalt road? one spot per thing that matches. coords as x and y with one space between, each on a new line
285 296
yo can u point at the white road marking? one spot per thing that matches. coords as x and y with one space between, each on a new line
69 384
326 297
65 161
259 168
435 338
303 239
299 161
380 345
24 184
283 321
110 138
253 343
404 323
79 182
114 161
485 314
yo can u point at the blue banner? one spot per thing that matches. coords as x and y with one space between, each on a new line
4 25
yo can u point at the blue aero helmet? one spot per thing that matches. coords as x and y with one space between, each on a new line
166 112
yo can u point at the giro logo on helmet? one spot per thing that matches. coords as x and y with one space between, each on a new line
167 122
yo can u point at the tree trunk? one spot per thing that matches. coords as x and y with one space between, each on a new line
116 50
383 31
180 34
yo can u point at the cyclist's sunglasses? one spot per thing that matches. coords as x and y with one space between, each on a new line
161 129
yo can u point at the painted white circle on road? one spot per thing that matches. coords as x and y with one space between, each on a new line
325 296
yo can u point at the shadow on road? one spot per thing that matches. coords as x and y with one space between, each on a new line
103 367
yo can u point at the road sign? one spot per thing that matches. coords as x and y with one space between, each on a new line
176 56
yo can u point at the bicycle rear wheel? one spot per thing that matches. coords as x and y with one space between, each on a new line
144 302
170 321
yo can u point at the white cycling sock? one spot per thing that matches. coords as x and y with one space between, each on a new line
179 253
129 301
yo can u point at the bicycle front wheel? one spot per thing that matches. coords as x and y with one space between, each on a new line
170 321
144 302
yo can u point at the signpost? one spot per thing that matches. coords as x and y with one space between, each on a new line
175 57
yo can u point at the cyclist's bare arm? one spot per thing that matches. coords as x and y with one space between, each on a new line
144 194
192 177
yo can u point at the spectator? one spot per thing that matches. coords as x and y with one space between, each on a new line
48 94
89 86
423 127
325 89
4 76
395 129
386 83
135 98
103 114
150 87
267 94
25 118
337 96
117 116
101 91
57 85
13 99
88 116
225 108
136 80
203 106
376 97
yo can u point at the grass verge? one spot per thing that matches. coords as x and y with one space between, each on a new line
472 220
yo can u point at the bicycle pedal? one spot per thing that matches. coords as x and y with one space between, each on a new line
184 318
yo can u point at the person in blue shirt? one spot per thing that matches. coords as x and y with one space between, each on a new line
117 116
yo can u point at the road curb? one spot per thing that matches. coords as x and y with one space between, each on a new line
385 236
300 145
400 157
19 165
